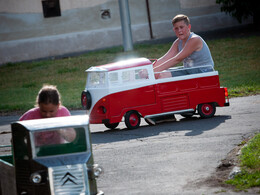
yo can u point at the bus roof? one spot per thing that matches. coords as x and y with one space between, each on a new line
121 65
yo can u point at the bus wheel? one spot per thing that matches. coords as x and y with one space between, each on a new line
132 120
86 100
111 125
206 110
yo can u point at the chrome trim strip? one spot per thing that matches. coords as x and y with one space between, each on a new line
166 113
50 174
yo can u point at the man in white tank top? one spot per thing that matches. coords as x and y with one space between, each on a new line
188 48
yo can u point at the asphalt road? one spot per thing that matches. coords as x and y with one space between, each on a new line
171 157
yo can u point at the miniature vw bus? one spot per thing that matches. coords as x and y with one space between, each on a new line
129 90
50 156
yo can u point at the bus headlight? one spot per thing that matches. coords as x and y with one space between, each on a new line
101 110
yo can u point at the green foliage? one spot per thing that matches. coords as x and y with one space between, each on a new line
250 157
245 180
241 9
250 163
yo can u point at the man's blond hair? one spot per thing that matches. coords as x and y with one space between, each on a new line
179 18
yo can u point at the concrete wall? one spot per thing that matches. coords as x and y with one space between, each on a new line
26 35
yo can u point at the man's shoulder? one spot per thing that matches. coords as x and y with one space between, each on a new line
195 36
196 39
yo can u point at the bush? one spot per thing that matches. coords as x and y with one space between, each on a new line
242 9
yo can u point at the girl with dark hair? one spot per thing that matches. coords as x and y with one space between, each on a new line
48 104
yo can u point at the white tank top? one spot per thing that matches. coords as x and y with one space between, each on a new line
197 58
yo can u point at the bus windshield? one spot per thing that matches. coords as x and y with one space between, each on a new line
96 79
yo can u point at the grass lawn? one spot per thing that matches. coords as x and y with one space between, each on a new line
250 164
237 60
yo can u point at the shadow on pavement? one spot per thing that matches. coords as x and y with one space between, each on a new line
195 126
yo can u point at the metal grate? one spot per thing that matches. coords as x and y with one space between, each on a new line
173 103
69 179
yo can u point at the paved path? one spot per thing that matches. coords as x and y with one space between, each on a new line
169 158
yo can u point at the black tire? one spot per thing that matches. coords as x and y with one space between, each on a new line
86 100
111 125
132 119
206 110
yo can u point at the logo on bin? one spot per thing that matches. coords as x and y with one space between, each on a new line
68 177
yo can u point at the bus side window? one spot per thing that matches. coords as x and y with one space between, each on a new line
113 78
128 76
141 74
135 75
